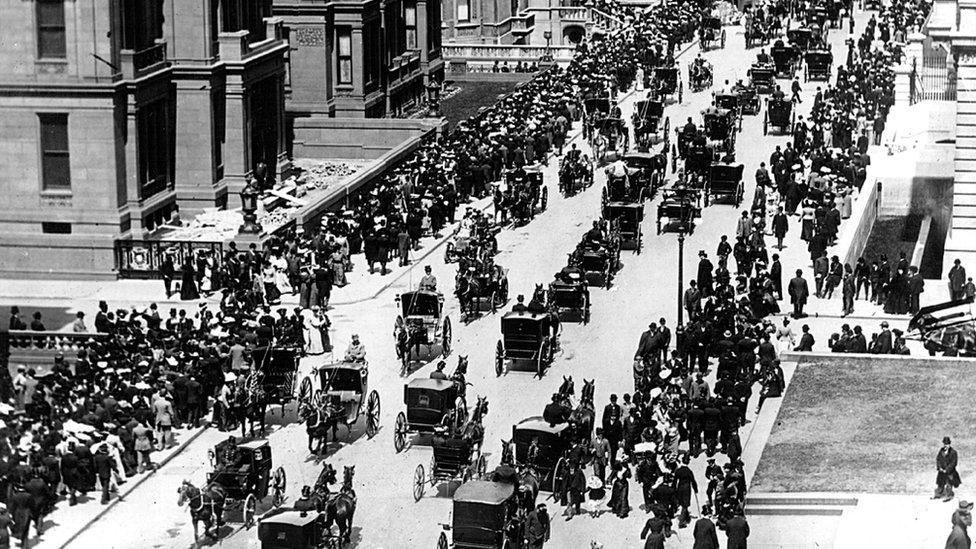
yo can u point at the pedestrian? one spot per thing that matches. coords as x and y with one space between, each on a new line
104 467
692 300
969 290
656 530
947 477
916 285
143 446
685 485
403 246
576 486
847 290
537 527
799 292
806 340
168 272
601 455
737 530
620 490
78 326
959 536
704 274
957 280
795 88
705 536
163 410
613 426
781 225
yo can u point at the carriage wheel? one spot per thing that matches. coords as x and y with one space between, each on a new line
372 413
723 39
558 472
446 337
667 133
499 358
766 122
305 392
419 482
542 359
400 433
212 457
681 89
494 302
278 483
506 544
249 510
545 198
482 467
640 239
442 541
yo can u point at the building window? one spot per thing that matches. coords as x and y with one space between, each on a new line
237 15
463 10
344 40
153 126
410 24
55 163
51 43
372 52
141 24
52 227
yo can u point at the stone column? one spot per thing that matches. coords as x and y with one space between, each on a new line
961 240
903 90
914 50
421 20
237 142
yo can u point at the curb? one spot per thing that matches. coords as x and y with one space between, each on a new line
105 509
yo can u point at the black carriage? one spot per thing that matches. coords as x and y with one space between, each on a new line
598 261
528 337
700 75
698 157
711 34
730 103
817 16
724 181
666 82
453 459
748 96
648 123
278 373
800 38
343 388
598 106
574 175
294 530
785 61
763 78
679 208
423 320
648 174
429 402
529 196
625 220
568 293
719 126
552 442
485 516
491 290
244 473
481 238
779 114
614 133
818 63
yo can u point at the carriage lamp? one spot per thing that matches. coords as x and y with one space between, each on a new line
249 206
434 97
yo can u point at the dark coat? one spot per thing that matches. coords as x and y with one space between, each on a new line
799 291
737 530
781 225
705 536
946 462
958 538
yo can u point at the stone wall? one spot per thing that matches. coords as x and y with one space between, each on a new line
354 138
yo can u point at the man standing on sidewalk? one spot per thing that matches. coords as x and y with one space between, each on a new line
947 477
104 467
799 292
163 410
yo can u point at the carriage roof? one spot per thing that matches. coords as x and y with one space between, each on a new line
344 365
635 207
484 492
539 425
818 56
649 108
598 104
726 172
419 300
430 384
291 518
712 22
942 315
763 72
640 159
297 529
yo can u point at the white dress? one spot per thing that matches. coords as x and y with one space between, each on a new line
313 337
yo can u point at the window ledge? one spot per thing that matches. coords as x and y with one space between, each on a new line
56 193
52 60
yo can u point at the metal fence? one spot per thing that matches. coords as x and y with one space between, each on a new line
933 80
144 258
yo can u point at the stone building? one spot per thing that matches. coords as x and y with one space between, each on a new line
116 113
360 58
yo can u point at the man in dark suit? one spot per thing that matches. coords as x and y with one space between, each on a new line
916 285
737 530
946 477
799 292
612 426
806 340
776 276
781 225
705 536
705 274
883 343
537 527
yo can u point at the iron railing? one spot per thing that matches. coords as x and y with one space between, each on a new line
144 258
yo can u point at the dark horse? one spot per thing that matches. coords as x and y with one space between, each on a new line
466 288
583 416
206 506
319 420
342 506
408 340
458 377
566 391
250 404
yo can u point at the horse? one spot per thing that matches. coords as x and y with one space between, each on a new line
466 288
206 506
458 377
341 508
528 487
508 456
583 416
318 421
250 404
566 391
473 430
408 341
326 478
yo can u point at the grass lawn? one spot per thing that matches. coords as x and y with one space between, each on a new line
869 427
473 96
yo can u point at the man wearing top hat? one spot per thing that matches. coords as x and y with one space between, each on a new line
947 477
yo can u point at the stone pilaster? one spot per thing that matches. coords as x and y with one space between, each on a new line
961 240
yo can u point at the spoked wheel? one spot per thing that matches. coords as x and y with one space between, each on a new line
442 541
400 433
305 392
278 483
482 466
545 200
372 413
212 457
499 358
494 302
558 473
249 510
586 309
541 359
446 337
419 482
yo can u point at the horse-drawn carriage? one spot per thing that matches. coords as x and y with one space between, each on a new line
646 177
295 530
816 16
699 154
527 196
730 104
624 219
575 174
526 336
478 241
608 139
568 293
648 123
719 127
422 322
543 447
243 472
456 453
680 206
274 378
598 261
763 78
818 63
948 328
487 286
700 75
487 515
724 181
786 59
338 393
779 114
748 96
666 82
800 38
711 33
430 403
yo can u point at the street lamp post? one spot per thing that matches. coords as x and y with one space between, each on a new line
681 272
434 96
547 57
249 206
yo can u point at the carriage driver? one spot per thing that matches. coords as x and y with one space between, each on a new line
690 128
439 372
356 352
429 281
762 57
556 412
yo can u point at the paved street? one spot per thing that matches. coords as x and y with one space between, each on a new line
644 291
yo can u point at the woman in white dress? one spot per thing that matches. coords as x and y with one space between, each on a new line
784 336
313 337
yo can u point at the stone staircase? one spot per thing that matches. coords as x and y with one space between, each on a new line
823 505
